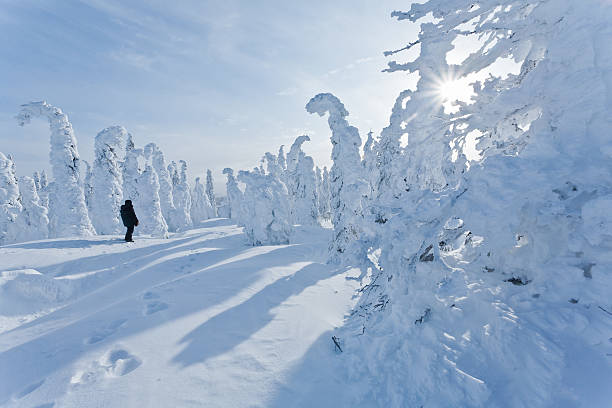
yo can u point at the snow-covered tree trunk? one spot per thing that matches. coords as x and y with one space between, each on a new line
182 197
107 181
148 208
210 192
67 209
347 186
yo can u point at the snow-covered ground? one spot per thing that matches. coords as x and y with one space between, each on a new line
200 319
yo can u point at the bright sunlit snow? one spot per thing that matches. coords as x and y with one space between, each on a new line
441 237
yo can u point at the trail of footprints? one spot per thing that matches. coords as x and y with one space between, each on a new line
117 361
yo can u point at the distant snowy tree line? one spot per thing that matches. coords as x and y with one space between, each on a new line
83 199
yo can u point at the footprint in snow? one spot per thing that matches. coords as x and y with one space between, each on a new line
116 362
102 334
119 362
150 295
154 307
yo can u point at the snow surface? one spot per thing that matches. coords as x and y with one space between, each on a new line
200 319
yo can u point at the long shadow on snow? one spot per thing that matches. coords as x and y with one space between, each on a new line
133 266
65 243
317 380
232 327
92 263
62 346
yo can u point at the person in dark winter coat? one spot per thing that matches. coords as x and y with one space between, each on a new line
128 216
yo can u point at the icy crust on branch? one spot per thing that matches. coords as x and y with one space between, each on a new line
107 180
67 210
265 209
346 186
476 272
234 195
148 208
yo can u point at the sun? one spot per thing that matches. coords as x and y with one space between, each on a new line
450 88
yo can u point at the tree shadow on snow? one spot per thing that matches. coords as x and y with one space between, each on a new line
232 327
61 339
67 243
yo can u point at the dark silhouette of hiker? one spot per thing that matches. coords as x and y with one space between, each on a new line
128 216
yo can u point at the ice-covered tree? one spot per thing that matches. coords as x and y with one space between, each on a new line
165 184
266 217
210 192
131 170
304 209
107 180
182 197
272 165
294 153
43 190
147 206
324 195
281 159
35 222
67 209
476 250
10 203
86 184
234 195
200 206
347 186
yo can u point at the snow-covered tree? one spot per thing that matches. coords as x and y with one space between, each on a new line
347 187
147 206
131 170
200 206
67 209
294 153
272 165
281 159
304 209
43 190
266 219
107 180
10 204
324 195
210 192
476 252
86 184
35 222
234 195
165 184
182 196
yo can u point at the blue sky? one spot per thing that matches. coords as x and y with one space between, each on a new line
216 83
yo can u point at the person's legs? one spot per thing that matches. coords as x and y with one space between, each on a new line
128 234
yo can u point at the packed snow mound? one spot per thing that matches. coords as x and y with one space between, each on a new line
32 286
